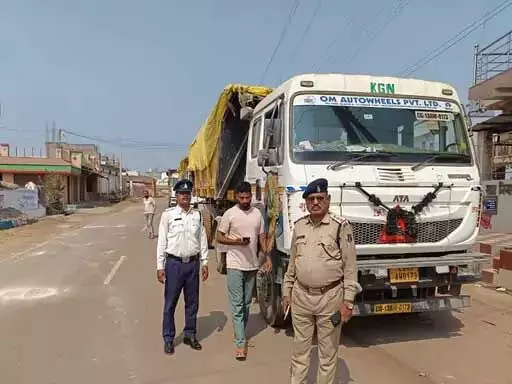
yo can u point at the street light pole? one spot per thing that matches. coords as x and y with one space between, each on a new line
121 173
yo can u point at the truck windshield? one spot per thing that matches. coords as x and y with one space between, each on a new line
411 130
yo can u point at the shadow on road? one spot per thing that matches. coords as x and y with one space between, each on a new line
207 325
376 330
255 325
380 330
342 371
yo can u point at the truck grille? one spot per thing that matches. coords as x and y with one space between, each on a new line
428 231
395 175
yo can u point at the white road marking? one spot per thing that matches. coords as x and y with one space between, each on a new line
114 269
71 245
104 226
14 256
27 293
109 252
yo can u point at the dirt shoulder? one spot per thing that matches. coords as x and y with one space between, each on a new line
11 240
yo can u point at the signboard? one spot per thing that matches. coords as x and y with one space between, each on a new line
434 116
375 102
24 200
382 88
490 204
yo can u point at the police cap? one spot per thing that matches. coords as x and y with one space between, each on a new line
316 186
183 185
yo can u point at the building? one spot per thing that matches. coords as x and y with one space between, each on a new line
110 178
491 97
87 157
22 170
137 185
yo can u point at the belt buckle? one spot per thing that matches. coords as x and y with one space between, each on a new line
185 259
315 291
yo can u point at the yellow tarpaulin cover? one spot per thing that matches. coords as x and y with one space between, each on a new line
202 155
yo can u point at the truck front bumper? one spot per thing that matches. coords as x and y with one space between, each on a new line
433 304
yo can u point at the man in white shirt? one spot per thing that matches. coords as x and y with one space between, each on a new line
149 212
240 229
182 253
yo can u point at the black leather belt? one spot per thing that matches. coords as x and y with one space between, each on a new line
183 259
320 290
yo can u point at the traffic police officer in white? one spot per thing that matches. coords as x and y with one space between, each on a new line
182 254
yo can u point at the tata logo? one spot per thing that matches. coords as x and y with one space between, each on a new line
309 100
401 199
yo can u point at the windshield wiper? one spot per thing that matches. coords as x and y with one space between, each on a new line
340 163
431 159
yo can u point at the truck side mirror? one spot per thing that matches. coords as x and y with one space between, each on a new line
267 157
273 128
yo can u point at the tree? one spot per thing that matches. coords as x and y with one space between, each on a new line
53 193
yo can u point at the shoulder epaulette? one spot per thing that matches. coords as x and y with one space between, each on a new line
301 218
339 219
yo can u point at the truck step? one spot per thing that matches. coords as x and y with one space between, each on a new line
489 276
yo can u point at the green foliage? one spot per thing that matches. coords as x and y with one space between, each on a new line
53 193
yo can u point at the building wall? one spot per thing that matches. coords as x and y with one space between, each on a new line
8 177
502 189
22 178
109 182
24 200
4 150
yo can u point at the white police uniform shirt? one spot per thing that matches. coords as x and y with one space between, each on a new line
182 234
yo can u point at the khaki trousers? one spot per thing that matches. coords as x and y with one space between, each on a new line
310 310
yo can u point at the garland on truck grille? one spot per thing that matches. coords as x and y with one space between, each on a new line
398 220
272 205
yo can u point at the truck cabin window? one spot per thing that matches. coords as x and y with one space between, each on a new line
330 133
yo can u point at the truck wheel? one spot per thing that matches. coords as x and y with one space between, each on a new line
269 299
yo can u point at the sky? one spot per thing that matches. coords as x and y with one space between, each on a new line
130 74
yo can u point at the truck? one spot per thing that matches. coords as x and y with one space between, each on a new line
401 167
172 179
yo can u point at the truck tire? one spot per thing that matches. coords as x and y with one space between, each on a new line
269 299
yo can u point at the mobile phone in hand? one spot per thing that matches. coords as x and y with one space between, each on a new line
336 318
287 312
246 239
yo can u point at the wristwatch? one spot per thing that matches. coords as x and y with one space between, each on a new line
349 305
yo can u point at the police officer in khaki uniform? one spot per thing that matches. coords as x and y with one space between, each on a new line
321 280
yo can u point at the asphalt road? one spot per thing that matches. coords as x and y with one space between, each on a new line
79 303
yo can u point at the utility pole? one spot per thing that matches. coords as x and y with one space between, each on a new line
121 173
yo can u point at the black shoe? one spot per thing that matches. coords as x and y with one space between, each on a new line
169 348
193 343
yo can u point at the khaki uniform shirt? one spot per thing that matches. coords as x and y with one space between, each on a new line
316 260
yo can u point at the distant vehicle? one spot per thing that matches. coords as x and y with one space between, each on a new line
400 165
172 178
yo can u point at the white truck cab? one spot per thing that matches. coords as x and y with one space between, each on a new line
401 168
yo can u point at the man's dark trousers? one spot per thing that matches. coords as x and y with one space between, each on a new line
181 276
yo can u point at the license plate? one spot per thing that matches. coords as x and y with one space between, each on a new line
384 309
404 275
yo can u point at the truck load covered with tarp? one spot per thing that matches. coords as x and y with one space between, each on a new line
216 157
